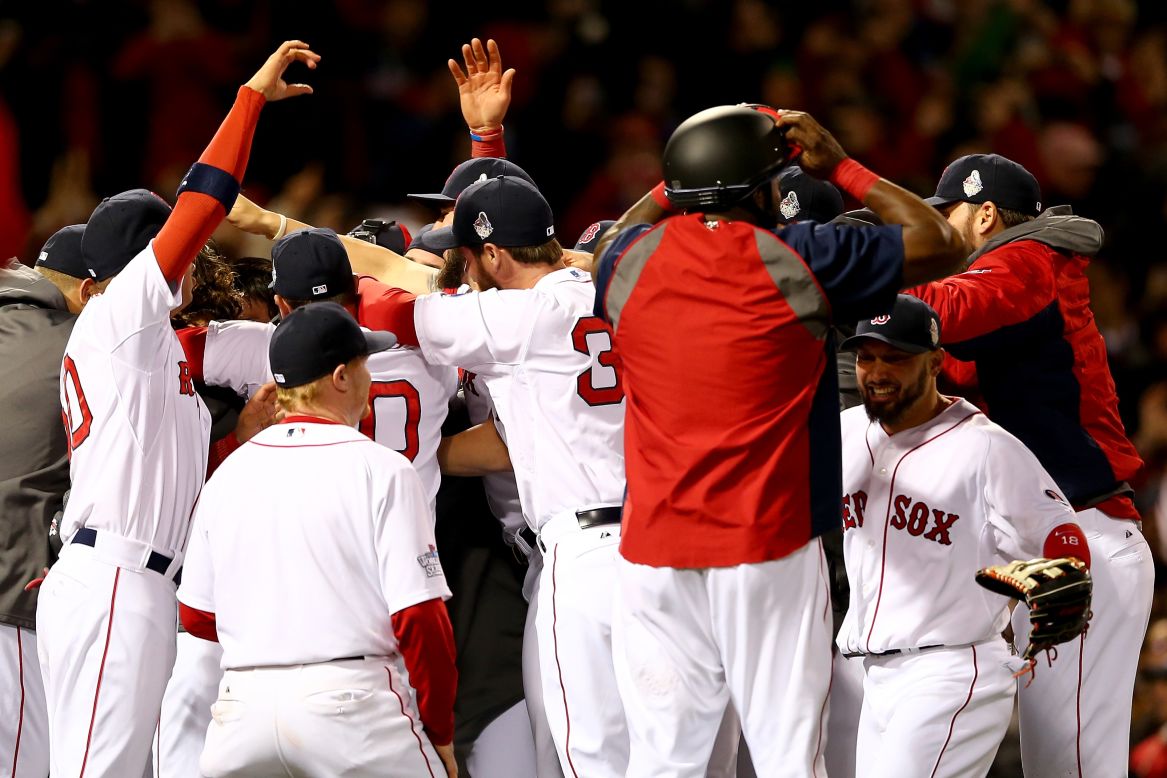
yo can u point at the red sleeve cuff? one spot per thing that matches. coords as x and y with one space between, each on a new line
1067 540
199 623
490 143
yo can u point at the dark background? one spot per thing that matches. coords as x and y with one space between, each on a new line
101 96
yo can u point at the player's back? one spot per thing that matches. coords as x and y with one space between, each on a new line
138 431
301 524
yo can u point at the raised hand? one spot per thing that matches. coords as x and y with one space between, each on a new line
821 153
269 79
484 89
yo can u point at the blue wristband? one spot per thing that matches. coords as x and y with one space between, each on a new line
212 181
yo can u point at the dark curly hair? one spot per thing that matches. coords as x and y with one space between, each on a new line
215 296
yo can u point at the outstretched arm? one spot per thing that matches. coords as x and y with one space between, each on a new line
484 91
209 188
366 258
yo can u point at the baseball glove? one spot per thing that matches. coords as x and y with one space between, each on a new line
1057 592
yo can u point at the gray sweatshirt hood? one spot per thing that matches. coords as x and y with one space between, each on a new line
1057 228
20 284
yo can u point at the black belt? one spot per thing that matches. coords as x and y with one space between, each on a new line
159 563
597 517
892 652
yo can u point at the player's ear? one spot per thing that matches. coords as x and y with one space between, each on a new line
283 306
340 378
491 252
936 361
987 218
88 290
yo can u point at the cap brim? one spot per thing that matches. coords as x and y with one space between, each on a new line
437 198
852 343
439 239
939 202
379 341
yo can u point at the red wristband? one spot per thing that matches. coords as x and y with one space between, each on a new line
488 143
659 197
853 178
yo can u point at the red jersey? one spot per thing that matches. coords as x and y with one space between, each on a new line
722 330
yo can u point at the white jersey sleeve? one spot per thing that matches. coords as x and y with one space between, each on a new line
1022 501
484 332
134 303
236 355
403 538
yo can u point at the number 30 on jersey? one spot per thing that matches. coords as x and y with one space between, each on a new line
600 383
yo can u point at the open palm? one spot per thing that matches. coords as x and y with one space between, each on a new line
484 89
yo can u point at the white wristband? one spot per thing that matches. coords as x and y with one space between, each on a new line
283 227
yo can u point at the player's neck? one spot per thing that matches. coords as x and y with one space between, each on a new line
924 410
321 412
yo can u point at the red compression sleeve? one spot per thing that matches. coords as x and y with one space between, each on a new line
661 199
196 215
1067 540
194 343
199 623
426 641
387 308
853 178
489 143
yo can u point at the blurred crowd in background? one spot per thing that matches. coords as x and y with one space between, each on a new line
98 96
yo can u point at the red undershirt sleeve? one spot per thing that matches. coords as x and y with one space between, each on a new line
426 641
194 344
387 308
196 215
1066 540
199 623
488 144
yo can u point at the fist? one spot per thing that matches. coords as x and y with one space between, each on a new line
821 153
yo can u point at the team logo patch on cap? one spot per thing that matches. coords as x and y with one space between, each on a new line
482 225
589 233
789 206
430 563
973 184
279 377
934 332
322 289
881 319
43 256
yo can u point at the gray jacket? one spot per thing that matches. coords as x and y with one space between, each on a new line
34 465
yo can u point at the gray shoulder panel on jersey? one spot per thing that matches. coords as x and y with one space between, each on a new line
796 283
627 272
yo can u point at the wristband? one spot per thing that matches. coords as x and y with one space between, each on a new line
488 143
486 135
853 178
211 181
283 228
661 199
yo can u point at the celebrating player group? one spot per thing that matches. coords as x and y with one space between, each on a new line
259 525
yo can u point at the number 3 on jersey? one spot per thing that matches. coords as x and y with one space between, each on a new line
394 417
76 415
600 383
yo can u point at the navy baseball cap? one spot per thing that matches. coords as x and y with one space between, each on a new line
505 211
591 236
62 252
119 228
981 178
310 265
313 339
806 198
913 326
472 171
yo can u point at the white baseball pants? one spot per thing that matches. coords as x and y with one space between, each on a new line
843 710
24 721
105 639
939 713
186 707
505 748
574 622
546 755
1076 715
689 641
356 718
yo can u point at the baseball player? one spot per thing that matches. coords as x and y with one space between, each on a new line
37 312
138 441
1021 316
932 492
546 361
732 479
338 655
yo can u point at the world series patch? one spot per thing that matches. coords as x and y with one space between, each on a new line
430 563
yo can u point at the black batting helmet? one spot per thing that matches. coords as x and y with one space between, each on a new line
717 157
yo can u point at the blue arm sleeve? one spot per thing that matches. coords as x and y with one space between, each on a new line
606 263
860 268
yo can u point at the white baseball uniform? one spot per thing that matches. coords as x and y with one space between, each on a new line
956 493
106 614
545 359
302 591
24 740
